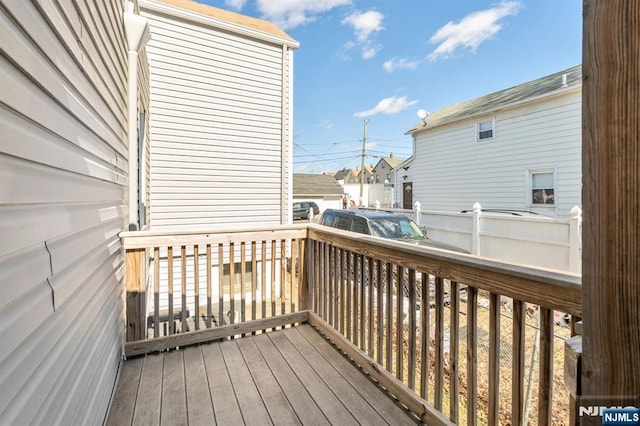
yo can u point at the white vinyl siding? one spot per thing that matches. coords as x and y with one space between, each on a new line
219 127
451 171
63 176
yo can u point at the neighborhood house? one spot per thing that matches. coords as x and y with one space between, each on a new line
519 148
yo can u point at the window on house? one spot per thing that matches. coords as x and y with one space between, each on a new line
542 187
389 177
485 130
383 166
377 178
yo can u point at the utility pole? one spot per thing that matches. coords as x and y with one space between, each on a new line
364 147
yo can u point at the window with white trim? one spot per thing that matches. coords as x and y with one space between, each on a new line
485 130
542 187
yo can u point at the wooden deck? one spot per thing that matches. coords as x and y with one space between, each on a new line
292 376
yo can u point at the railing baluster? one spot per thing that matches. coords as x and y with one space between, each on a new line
209 295
389 323
439 347
356 285
350 284
517 366
472 356
254 280
494 358
363 309
315 255
283 276
170 289
370 289
379 311
340 264
293 284
336 286
156 291
263 281
220 283
232 284
243 281
399 322
331 281
196 287
545 381
183 285
412 330
273 280
425 313
454 326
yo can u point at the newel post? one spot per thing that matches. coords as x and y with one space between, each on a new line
136 293
475 229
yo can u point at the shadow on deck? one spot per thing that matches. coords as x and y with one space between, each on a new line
290 376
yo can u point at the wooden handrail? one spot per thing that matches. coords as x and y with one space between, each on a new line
551 289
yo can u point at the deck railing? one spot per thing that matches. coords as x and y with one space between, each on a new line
186 287
435 321
457 339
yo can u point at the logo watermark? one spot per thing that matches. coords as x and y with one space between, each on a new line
623 413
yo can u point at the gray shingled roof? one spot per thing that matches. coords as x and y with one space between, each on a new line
550 84
315 186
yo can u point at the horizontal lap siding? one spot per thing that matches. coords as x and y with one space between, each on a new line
63 177
452 171
216 127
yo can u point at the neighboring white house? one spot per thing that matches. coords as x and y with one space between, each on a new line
220 123
519 148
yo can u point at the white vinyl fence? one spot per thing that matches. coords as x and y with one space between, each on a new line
529 239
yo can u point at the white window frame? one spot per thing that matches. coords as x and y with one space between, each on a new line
530 188
493 130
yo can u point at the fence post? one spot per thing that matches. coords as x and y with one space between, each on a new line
575 240
475 230
417 212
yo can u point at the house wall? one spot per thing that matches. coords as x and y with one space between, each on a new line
63 180
220 125
451 171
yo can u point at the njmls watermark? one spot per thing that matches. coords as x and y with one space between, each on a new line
622 414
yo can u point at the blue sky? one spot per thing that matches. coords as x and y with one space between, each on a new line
382 60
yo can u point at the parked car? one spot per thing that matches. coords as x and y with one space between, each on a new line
301 209
382 224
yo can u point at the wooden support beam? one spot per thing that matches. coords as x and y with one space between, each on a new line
611 199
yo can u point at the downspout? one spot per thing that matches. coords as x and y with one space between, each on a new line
137 33
287 130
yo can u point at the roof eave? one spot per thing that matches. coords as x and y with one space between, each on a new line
217 23
556 93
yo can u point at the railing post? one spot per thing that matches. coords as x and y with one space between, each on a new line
304 271
378 204
475 229
573 376
575 240
135 282
418 212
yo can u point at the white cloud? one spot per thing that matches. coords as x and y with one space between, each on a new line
402 63
235 4
472 30
289 14
392 105
365 25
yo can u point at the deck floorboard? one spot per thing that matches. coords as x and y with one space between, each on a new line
285 377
